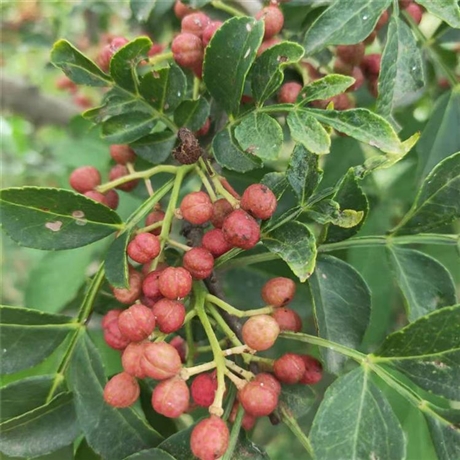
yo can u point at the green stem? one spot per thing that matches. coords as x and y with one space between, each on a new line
178 245
223 259
90 296
161 57
219 5
206 183
292 424
190 344
300 337
258 359
196 88
149 228
225 328
234 434
215 179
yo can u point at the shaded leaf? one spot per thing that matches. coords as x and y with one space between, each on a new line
192 114
445 437
342 306
260 135
116 262
42 430
245 449
371 431
295 244
328 211
112 433
424 282
178 445
267 72
150 454
324 88
127 128
306 130
438 201
227 62
155 147
297 400
77 66
447 10
141 9
345 22
276 182
49 218
29 336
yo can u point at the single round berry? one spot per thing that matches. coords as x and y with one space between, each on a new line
290 368
273 19
313 370
209 439
204 129
131 294
153 218
196 207
221 208
150 286
112 334
122 153
171 397
175 282
260 332
144 247
258 400
342 102
195 23
84 179
65 83
181 346
137 322
241 230
187 50
288 92
270 381
278 291
122 390
287 319
96 196
209 31
351 54
105 55
199 262
259 201
169 315
203 389
181 10
247 422
416 12
131 359
370 65
382 20
119 171
110 317
160 361
112 199
215 242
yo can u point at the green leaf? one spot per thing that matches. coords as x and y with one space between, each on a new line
178 445
424 282
245 449
260 135
29 336
445 437
355 422
192 113
401 73
155 147
440 137
227 62
229 155
303 173
77 66
306 130
349 195
447 10
297 400
363 125
141 9
324 88
116 262
267 72
342 306
437 202
196 3
345 22
22 396
51 219
295 244
164 88
276 182
328 211
42 430
124 62
112 433
65 271
127 128
150 454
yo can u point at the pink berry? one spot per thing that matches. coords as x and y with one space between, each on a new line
209 439
209 31
342 67
181 346
199 262
105 55
351 54
195 23
220 210
290 368
313 370
287 319
266 44
112 199
370 65
160 361
122 153
96 196
260 332
112 334
122 390
241 230
143 248
358 75
215 242
169 315
248 421
131 294
278 291
416 12
131 359
187 50
288 92
273 19
382 20
175 282
150 285
137 322
119 171
171 397
270 381
257 399
204 129
203 389
109 317
181 10
84 179
196 207
259 201
153 218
